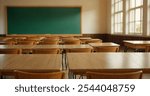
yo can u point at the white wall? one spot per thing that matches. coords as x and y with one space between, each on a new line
94 12
109 16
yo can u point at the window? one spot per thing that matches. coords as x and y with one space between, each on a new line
135 16
117 16
128 17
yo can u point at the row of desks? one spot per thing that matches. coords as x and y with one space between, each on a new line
134 44
77 62
59 46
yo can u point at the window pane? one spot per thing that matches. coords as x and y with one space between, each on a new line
132 17
131 25
116 28
116 7
117 16
138 27
139 2
120 6
138 14
119 28
135 10
132 3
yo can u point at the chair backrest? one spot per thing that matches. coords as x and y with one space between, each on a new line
107 49
72 42
7 43
26 42
46 51
80 50
31 75
53 37
10 51
34 38
127 75
49 43
147 49
5 38
93 41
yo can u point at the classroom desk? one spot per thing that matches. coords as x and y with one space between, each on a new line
30 62
16 46
107 44
48 46
66 47
102 62
30 46
104 44
23 48
136 44
76 46
84 39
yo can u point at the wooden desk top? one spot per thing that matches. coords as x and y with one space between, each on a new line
48 46
17 46
30 46
137 42
103 44
82 62
35 62
76 46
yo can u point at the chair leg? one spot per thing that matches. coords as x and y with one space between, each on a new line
62 62
66 61
125 49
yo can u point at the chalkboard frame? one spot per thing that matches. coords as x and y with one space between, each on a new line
6 19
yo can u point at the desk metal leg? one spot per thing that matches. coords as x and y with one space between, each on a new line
71 75
125 49
65 60
62 62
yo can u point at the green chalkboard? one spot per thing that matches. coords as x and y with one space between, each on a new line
43 20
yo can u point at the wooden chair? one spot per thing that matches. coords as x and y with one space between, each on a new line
126 75
7 43
67 37
80 50
5 38
106 49
147 49
72 42
26 51
53 38
10 51
35 38
93 41
49 43
26 42
31 75
46 51
19 38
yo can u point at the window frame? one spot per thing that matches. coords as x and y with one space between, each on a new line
145 19
135 8
114 14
